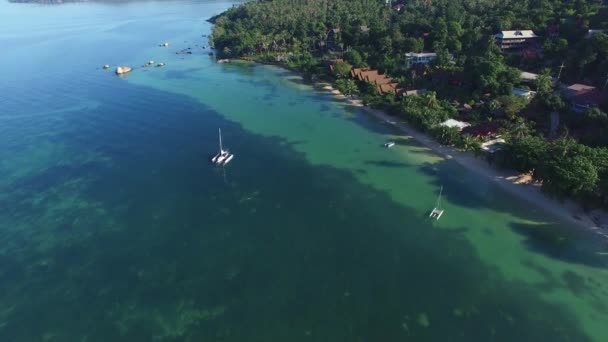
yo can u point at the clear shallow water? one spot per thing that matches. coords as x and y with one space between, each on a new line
113 226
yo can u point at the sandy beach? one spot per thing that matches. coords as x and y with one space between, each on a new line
520 185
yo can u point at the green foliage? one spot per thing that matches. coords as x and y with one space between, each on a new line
565 167
519 128
511 104
595 117
567 170
524 154
490 73
342 69
303 61
446 135
544 83
553 103
347 87
587 58
425 112
353 57
469 143
284 25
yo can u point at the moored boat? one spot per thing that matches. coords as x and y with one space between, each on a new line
438 210
223 157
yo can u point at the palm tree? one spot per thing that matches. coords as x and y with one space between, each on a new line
520 128
347 86
432 101
469 142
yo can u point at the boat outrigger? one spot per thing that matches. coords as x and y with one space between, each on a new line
389 144
223 157
438 210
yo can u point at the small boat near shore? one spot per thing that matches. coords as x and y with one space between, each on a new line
389 144
223 157
438 210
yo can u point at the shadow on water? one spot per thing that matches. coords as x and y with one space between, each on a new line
284 251
182 74
563 244
386 163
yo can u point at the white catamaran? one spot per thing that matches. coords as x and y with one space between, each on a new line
438 211
223 157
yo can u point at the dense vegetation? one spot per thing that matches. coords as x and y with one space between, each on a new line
570 159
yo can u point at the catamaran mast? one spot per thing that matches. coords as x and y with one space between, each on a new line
221 148
439 198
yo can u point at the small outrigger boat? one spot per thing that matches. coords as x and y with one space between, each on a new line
438 210
389 144
223 157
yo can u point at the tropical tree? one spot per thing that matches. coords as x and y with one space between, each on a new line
520 128
347 87
353 57
511 104
544 83
342 69
446 135
469 143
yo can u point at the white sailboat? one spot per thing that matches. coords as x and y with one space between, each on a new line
223 157
438 210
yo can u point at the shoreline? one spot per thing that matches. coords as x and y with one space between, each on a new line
518 185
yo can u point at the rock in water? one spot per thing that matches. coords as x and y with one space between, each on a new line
123 70
107 66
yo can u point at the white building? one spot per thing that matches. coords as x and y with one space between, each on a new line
591 32
528 94
455 123
420 58
515 40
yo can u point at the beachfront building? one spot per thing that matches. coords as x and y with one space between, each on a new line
516 40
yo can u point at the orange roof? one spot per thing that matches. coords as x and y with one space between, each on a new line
356 72
378 79
387 88
364 75
383 80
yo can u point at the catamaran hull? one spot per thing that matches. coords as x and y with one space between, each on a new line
228 159
222 159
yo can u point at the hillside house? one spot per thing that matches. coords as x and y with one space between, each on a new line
415 58
516 40
585 97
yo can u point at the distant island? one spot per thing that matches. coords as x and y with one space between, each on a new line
65 1
46 1
526 85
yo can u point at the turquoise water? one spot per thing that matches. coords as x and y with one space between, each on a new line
114 227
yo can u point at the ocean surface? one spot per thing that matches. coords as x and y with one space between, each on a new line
115 227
